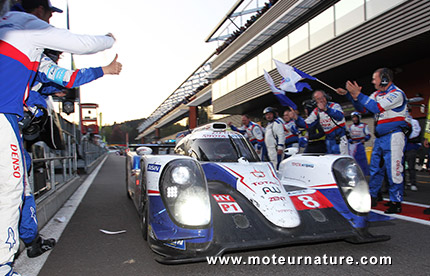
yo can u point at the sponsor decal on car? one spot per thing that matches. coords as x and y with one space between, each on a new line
277 198
308 201
153 168
297 164
227 204
258 174
259 183
179 244
271 190
214 135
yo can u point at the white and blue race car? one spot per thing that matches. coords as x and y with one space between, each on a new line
215 195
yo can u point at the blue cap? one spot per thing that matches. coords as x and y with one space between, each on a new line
54 9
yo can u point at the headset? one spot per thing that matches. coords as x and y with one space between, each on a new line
385 75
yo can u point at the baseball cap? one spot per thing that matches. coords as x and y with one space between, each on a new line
30 5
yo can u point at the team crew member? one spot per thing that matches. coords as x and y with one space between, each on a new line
359 134
48 82
59 78
23 36
389 104
413 143
254 133
274 136
330 116
426 143
315 134
52 79
291 131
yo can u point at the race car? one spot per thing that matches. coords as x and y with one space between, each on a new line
215 195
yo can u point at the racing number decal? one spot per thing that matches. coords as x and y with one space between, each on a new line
227 204
315 200
308 201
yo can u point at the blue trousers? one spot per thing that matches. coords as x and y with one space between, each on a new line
387 158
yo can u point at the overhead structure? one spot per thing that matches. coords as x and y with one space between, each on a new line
234 19
241 11
181 95
293 11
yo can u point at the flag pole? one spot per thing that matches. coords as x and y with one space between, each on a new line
334 89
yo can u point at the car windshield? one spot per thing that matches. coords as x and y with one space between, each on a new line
223 150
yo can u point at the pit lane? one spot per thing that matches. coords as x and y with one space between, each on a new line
84 250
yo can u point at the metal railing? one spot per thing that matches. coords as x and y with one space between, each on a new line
50 169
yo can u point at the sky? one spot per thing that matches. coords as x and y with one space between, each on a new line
159 43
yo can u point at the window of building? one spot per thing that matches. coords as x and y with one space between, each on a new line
252 69
348 14
321 28
241 75
224 86
265 61
280 51
231 81
376 7
216 90
299 41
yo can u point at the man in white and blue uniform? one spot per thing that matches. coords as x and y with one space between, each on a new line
274 136
23 36
254 133
51 79
291 131
359 133
389 105
331 118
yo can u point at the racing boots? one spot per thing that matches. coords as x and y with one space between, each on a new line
40 246
394 208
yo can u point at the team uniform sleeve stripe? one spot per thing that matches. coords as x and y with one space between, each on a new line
72 79
396 119
8 50
381 109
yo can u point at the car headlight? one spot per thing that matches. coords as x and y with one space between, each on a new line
353 184
184 191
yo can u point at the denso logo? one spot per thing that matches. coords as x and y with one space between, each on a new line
154 167
296 164
271 190
15 161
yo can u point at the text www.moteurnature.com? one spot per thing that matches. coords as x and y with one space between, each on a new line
299 260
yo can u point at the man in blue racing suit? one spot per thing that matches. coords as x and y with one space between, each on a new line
23 36
359 132
50 79
389 105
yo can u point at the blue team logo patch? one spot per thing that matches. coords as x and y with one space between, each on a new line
153 167
391 98
180 244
